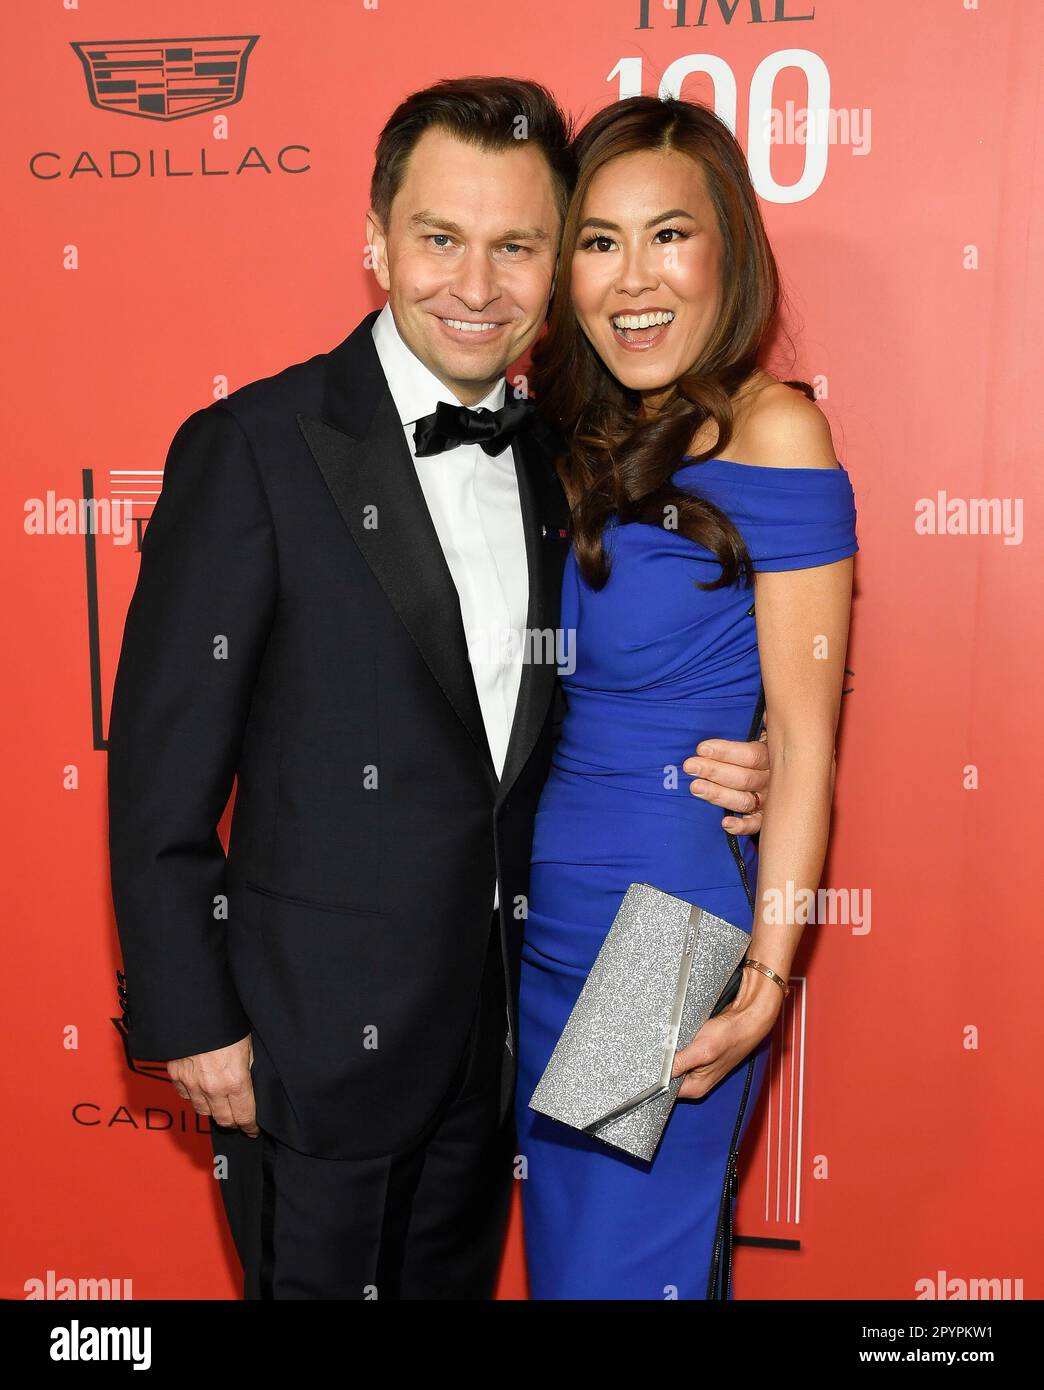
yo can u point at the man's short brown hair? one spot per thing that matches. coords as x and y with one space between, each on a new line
493 113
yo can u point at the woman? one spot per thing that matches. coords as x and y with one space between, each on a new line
712 536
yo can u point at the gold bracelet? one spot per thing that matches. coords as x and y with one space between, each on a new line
765 970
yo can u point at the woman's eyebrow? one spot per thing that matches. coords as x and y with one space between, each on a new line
614 227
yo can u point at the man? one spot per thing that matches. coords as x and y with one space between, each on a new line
331 546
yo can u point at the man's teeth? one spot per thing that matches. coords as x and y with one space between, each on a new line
642 320
467 327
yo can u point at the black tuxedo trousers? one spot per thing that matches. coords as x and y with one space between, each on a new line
425 1223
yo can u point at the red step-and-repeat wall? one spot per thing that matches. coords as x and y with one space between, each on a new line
155 263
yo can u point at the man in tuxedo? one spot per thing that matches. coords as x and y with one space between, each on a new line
327 581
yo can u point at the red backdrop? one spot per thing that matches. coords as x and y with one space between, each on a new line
898 1145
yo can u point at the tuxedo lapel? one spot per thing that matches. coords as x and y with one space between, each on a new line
362 454
544 515
361 451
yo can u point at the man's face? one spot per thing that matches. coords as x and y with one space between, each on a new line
468 258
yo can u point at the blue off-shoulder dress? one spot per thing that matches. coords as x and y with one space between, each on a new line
659 665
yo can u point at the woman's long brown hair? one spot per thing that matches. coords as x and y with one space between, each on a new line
619 462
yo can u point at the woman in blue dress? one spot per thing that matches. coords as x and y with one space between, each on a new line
709 577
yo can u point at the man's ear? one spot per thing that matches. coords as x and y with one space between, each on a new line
377 249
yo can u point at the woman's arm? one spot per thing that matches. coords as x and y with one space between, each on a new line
802 621
802 618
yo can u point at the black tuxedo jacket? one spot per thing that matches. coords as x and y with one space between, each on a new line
295 628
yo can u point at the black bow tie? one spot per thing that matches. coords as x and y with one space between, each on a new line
451 424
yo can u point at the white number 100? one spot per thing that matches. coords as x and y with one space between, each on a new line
759 108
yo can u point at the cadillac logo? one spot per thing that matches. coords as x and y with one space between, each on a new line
165 79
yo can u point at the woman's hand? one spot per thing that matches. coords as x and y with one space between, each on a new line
726 1040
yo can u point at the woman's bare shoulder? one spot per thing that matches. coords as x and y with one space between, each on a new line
782 428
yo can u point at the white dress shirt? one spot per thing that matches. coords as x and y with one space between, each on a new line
473 500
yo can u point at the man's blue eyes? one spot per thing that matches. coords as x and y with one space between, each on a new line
440 237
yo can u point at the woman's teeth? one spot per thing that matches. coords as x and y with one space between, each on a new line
641 328
642 320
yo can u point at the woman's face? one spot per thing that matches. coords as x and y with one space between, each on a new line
648 244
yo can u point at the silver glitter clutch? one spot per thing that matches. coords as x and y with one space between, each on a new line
661 973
